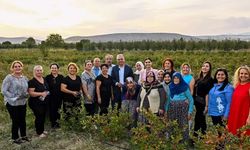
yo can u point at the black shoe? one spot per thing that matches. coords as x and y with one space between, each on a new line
26 139
18 141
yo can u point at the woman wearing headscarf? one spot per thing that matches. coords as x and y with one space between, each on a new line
130 93
138 68
180 103
151 98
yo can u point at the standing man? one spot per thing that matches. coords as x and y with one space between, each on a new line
119 74
96 68
108 61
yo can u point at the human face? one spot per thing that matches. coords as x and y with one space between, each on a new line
150 79
97 62
160 76
108 60
220 76
72 70
121 60
244 76
185 69
167 65
54 69
104 70
38 72
88 66
176 80
138 67
167 78
205 68
148 63
17 68
130 85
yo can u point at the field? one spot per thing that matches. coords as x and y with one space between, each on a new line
61 139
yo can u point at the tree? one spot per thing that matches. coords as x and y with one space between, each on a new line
29 43
55 41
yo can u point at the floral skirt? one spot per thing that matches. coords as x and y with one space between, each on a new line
178 110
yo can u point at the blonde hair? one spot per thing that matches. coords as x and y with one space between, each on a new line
35 68
236 79
14 62
182 65
73 64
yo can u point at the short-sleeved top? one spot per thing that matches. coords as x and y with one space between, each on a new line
39 87
106 84
89 81
72 85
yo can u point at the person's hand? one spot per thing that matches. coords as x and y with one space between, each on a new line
189 116
89 97
161 112
248 121
138 109
44 94
119 84
75 93
205 110
99 101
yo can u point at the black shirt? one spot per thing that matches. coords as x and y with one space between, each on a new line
72 85
54 85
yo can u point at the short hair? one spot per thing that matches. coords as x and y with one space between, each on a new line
14 62
36 67
55 65
87 61
104 65
147 59
182 65
108 55
73 64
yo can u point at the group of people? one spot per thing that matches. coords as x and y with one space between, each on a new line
165 92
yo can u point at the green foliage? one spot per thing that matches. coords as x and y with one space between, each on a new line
54 41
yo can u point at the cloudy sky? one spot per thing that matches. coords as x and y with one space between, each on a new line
39 18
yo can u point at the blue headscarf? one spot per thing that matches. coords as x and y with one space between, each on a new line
176 89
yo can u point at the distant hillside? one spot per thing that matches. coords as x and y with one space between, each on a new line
116 37
16 40
243 37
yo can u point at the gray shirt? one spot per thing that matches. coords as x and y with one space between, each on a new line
15 90
89 81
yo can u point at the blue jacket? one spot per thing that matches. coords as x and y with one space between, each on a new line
219 101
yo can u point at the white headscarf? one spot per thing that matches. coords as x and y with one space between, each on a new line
142 67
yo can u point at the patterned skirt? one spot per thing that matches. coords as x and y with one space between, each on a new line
178 110
129 106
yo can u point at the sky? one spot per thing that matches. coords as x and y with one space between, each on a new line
39 18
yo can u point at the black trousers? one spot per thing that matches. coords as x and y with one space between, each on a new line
54 107
90 109
39 110
200 119
17 115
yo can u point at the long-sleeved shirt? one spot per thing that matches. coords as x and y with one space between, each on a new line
15 90
219 101
181 97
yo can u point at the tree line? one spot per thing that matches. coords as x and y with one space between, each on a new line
56 41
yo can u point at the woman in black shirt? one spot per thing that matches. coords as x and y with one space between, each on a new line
72 88
54 81
202 86
39 91
104 84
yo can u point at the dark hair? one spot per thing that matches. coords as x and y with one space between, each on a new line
209 72
171 62
147 59
225 81
102 65
54 64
